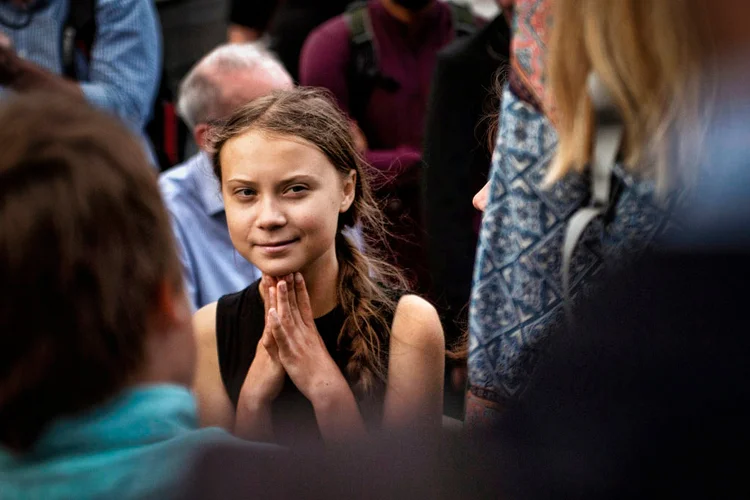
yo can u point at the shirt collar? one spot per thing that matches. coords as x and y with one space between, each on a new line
206 184
136 416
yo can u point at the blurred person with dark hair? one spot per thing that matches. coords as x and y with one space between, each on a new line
282 24
225 79
104 51
96 342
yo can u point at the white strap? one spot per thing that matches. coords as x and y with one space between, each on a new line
607 141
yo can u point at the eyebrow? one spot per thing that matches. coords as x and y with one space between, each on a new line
284 182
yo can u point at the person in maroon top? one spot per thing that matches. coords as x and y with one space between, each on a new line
407 35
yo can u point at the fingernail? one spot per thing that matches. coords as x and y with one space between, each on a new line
282 286
288 278
298 277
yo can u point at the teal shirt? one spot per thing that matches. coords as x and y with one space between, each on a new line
135 446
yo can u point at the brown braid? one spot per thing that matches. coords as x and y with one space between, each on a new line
368 307
366 281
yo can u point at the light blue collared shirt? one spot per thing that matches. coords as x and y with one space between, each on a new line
125 62
134 446
212 266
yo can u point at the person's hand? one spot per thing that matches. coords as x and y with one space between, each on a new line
300 347
265 378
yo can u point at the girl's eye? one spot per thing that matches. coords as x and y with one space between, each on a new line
245 192
297 189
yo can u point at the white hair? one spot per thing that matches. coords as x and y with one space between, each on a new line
200 94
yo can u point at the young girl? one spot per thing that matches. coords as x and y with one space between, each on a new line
325 341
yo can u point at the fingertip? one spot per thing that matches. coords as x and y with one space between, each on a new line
298 278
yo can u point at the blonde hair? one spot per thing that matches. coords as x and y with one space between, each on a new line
649 55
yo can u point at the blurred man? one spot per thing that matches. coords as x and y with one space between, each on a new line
104 51
225 79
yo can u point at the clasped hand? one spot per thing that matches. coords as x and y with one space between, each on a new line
298 344
290 344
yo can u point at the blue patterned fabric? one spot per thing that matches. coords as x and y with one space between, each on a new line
517 296
125 62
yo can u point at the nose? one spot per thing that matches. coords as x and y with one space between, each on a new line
480 199
270 214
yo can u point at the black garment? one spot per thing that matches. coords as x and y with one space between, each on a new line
190 29
288 22
649 393
240 320
457 159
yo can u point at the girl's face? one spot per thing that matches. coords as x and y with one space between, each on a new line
283 198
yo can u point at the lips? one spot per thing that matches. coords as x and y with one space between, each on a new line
276 244
273 248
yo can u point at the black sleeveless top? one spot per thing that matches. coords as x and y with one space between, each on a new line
240 320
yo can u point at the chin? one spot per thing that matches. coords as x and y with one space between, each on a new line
278 269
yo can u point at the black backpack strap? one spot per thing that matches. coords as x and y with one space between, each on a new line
364 71
78 33
364 53
464 23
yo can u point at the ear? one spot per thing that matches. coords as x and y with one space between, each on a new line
171 309
199 134
350 191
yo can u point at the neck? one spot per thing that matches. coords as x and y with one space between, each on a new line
168 359
321 280
402 13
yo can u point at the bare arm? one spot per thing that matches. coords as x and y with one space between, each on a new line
214 405
253 420
414 393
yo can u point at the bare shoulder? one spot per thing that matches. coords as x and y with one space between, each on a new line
416 322
204 325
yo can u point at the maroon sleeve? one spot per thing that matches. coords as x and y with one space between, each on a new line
392 163
325 58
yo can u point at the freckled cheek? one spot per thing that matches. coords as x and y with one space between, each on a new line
320 218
